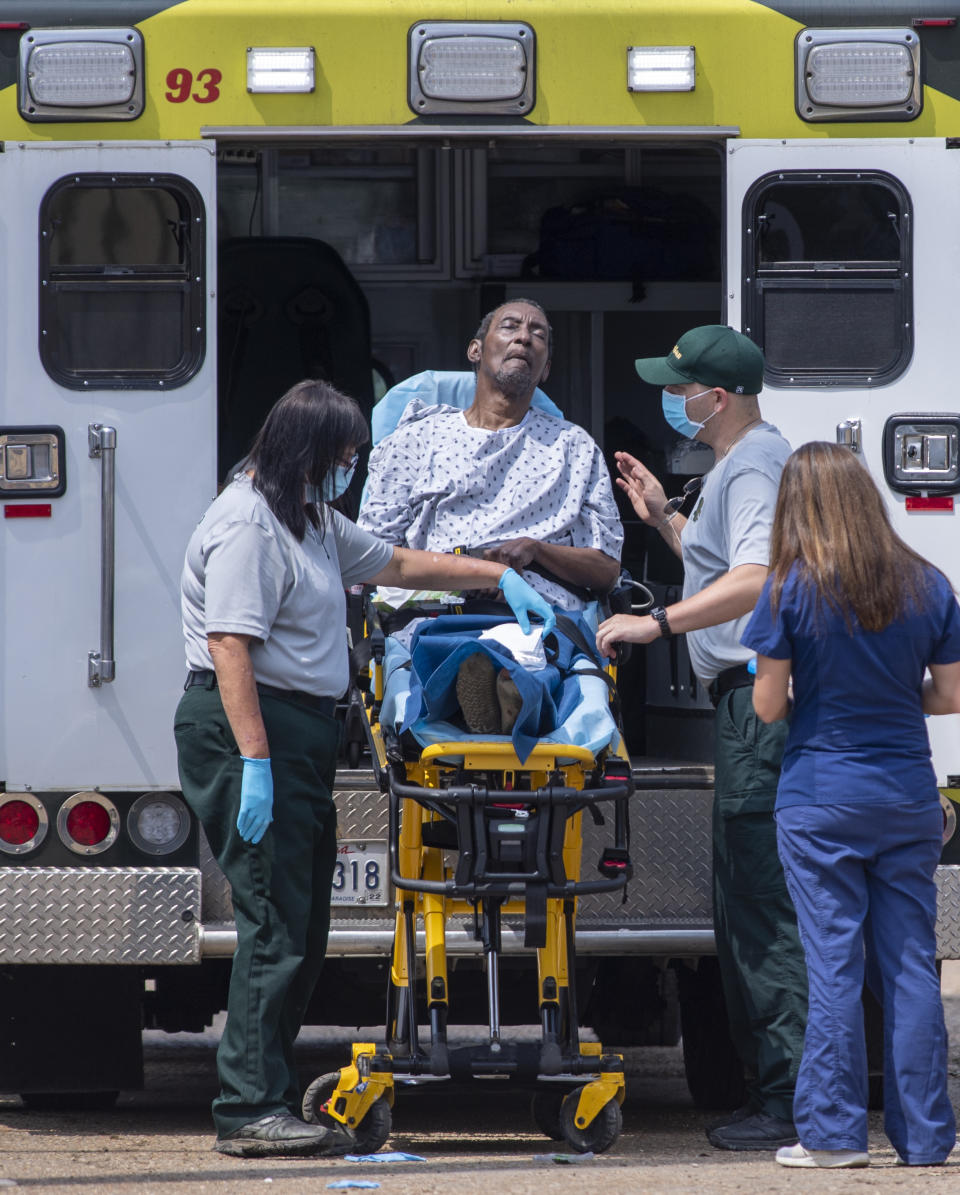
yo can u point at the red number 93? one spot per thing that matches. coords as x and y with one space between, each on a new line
180 83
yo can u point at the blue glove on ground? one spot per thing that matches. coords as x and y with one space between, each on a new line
256 799
524 601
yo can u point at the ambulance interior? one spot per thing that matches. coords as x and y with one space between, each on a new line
621 244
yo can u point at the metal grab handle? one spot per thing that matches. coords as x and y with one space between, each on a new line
101 666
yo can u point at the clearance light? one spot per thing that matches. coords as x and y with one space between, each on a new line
858 74
81 74
23 823
661 68
471 66
279 69
158 823
88 823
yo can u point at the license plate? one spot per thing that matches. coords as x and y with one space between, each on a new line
360 874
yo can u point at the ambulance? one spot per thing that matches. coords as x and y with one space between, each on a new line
203 201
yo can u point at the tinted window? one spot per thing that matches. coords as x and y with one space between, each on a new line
122 269
827 290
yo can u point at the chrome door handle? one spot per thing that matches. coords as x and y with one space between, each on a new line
101 666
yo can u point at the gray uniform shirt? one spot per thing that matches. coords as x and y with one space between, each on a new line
730 525
245 573
438 483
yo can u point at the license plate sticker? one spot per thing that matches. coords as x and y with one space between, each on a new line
360 874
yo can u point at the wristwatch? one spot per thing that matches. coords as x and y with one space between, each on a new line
660 615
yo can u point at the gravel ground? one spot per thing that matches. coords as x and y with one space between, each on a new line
474 1139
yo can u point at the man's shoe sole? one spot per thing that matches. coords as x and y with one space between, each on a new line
477 694
750 1144
308 1147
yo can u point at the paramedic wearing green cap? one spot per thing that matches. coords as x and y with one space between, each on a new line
710 381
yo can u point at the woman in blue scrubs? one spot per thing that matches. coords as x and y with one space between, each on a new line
858 619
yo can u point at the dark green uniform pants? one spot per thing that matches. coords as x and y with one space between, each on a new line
281 889
758 947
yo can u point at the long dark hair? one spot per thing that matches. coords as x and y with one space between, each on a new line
304 436
831 521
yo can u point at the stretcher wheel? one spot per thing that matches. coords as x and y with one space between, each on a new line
599 1134
370 1133
545 1109
373 1131
316 1095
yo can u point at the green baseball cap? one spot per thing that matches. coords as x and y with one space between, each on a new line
714 355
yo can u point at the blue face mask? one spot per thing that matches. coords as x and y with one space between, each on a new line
675 413
337 482
334 484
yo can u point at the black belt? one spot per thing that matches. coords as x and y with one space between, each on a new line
324 705
737 677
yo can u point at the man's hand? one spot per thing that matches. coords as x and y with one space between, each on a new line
646 494
625 628
514 553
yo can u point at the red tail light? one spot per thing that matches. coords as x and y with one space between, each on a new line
23 823
88 823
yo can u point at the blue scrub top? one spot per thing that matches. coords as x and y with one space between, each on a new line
857 731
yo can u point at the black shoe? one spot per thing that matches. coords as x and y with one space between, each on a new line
735 1117
758 1131
281 1135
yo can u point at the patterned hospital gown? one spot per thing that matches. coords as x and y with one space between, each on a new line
438 483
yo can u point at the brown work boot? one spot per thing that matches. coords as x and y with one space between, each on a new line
477 694
509 699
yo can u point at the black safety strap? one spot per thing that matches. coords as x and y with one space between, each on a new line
535 916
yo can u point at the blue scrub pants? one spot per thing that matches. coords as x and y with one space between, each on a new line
861 878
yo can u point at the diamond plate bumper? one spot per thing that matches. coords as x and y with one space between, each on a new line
669 905
948 911
100 915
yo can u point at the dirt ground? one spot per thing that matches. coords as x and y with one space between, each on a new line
475 1139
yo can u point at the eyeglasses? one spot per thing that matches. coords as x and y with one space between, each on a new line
673 506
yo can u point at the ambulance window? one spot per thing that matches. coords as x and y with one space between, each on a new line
382 208
827 289
122 294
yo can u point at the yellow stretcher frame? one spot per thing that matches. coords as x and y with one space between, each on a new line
427 893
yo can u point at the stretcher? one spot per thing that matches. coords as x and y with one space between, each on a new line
475 830
486 828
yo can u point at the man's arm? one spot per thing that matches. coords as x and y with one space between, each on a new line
730 596
588 568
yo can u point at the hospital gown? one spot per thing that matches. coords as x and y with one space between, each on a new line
438 483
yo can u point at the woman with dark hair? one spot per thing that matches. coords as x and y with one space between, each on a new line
857 618
264 618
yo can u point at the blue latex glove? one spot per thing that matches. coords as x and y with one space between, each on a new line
524 601
256 799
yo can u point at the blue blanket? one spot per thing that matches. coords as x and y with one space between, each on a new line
559 703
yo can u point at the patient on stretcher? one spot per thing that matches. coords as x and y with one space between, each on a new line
486 463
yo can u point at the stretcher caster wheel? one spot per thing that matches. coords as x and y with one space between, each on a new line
371 1133
595 1137
545 1109
316 1096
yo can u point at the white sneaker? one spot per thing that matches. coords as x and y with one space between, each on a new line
827 1159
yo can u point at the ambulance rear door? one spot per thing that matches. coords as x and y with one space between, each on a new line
107 456
842 264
